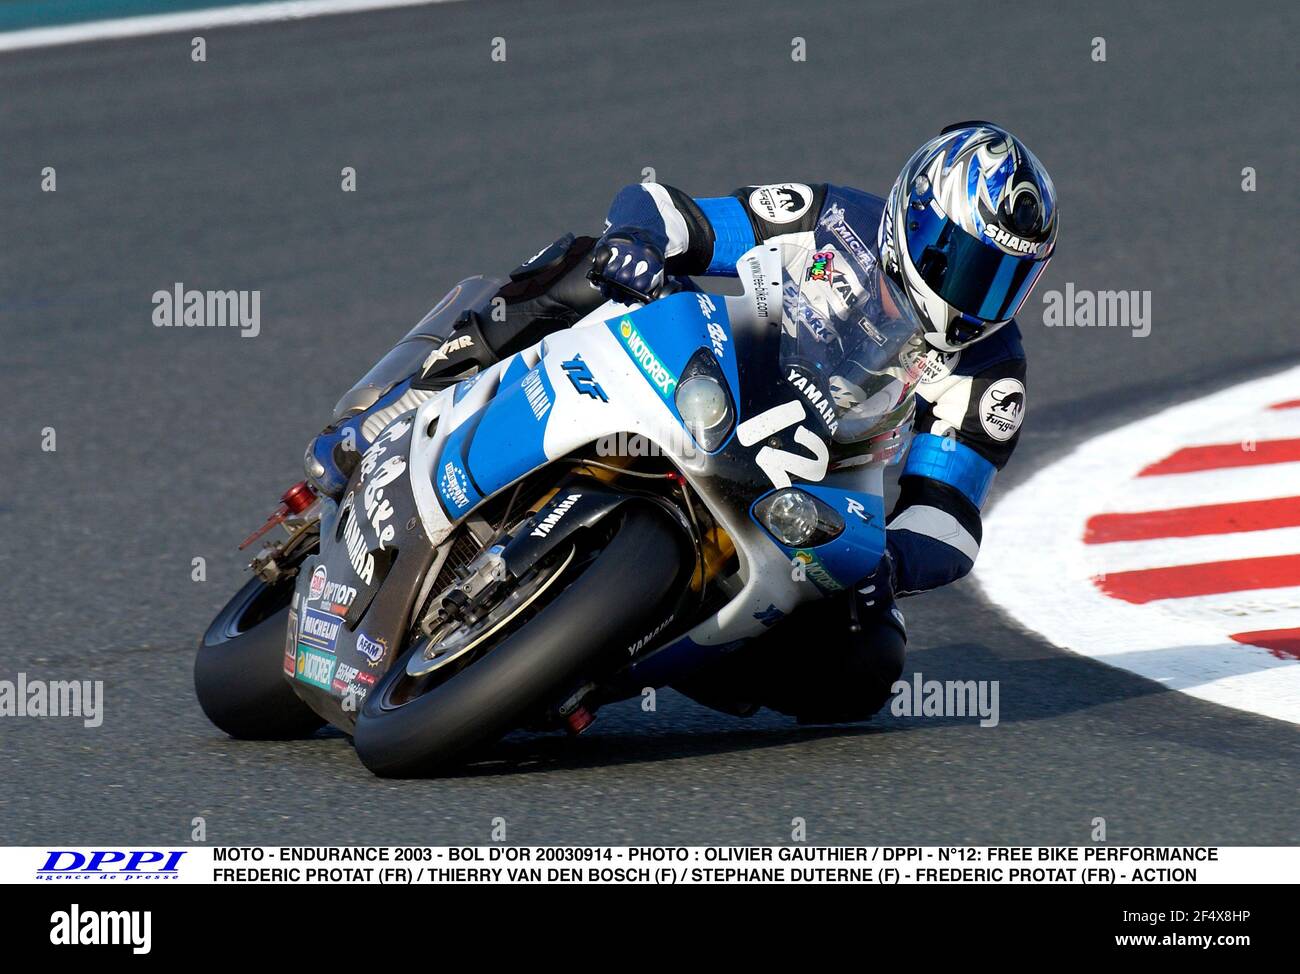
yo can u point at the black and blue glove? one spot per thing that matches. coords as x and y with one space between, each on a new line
627 268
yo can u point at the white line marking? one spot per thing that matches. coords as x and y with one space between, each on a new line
1035 565
1125 556
1265 608
259 13
1267 481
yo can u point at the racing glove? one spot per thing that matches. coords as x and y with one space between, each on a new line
627 268
873 596
877 589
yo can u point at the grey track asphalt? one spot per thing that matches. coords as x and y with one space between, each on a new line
173 443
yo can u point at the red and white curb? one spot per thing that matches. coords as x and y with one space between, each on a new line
1169 547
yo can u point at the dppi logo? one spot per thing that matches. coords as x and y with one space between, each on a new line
106 864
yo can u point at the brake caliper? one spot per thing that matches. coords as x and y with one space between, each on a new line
466 601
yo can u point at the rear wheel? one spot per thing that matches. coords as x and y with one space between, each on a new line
606 598
238 673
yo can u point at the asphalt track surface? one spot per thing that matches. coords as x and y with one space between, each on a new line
173 443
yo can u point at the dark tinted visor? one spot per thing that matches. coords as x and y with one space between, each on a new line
974 277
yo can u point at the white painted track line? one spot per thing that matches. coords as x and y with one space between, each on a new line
233 16
1202 487
1124 556
1034 564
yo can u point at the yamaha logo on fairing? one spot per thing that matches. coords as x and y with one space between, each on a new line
546 524
539 400
816 398
649 637
363 562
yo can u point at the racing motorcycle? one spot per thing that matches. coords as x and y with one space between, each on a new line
595 515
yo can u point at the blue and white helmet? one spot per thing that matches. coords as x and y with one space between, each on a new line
969 226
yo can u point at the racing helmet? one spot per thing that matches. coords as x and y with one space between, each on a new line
968 228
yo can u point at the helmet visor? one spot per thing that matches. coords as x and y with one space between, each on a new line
976 278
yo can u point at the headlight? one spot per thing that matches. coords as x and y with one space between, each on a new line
792 518
796 518
703 402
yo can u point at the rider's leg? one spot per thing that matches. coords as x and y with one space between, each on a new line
813 665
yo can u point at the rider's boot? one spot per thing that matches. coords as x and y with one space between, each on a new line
548 292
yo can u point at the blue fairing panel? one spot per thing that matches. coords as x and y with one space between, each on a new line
855 553
671 330
456 489
508 442
674 661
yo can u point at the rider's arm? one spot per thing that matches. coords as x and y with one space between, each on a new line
967 425
708 235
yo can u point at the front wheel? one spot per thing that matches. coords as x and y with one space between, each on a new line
238 673
411 726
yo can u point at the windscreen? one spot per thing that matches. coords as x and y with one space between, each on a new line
844 331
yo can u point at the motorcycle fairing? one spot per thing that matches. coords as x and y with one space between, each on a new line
496 433
477 438
358 592
837 564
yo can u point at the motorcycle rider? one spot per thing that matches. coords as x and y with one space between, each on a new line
966 231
